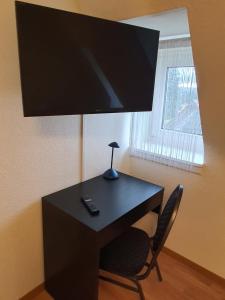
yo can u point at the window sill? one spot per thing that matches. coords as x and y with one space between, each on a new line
164 160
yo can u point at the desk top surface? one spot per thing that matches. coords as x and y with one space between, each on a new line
114 198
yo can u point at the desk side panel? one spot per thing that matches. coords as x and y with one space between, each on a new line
71 256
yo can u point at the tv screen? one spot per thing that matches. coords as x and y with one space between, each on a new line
77 64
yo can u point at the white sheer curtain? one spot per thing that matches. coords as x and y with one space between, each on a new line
171 134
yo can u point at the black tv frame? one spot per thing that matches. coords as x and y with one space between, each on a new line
20 5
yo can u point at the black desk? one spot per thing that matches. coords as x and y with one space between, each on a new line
73 238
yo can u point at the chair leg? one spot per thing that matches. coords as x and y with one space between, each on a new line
137 289
140 291
158 271
124 285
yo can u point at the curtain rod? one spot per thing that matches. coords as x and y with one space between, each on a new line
175 37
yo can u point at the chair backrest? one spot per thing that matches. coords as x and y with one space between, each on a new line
166 219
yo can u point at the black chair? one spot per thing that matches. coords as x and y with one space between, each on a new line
127 255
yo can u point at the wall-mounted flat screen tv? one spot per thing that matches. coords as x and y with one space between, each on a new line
77 64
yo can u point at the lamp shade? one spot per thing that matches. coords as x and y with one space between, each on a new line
114 145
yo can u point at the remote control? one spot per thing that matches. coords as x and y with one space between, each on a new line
90 206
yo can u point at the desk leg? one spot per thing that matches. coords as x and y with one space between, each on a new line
71 257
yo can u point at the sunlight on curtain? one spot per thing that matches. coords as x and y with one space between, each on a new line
171 134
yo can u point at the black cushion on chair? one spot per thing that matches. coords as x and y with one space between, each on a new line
127 254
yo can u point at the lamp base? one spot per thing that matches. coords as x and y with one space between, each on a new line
111 174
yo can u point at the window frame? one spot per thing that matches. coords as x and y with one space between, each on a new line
182 60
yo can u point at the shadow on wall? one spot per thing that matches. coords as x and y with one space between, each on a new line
66 126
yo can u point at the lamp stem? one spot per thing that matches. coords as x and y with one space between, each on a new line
112 157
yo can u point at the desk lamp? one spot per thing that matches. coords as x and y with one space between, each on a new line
111 173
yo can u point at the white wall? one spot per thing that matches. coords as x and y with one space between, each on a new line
37 156
99 131
169 23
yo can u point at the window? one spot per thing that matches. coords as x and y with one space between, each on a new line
171 133
181 113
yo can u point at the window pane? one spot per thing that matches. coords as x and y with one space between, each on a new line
181 108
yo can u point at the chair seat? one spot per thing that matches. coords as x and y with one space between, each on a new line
127 254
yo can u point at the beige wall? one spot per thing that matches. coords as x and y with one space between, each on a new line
41 155
37 156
